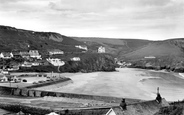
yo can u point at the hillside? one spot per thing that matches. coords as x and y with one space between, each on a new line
169 54
117 47
157 49
12 39
166 54
17 39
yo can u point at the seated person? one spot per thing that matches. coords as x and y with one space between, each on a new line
123 105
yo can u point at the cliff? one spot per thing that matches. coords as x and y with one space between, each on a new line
90 63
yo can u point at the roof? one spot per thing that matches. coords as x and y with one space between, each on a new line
6 54
143 108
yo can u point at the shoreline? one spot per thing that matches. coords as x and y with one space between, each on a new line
136 83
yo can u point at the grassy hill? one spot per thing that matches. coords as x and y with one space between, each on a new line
17 39
169 53
117 47
157 49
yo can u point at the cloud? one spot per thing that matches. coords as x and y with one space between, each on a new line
121 18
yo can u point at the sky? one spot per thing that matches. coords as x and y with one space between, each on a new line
138 19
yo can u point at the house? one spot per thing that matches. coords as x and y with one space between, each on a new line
6 55
4 79
149 57
56 61
142 108
25 54
4 72
16 54
13 78
34 54
82 47
13 68
1 55
75 59
35 63
55 51
101 49
26 64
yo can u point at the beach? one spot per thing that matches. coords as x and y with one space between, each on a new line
126 83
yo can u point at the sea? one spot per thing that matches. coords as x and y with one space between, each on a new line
126 83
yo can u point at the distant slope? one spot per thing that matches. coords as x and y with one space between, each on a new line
18 39
114 46
169 54
157 49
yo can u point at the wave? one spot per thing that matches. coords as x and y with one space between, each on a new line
148 78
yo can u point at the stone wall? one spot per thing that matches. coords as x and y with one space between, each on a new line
38 93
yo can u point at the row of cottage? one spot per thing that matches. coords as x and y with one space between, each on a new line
28 54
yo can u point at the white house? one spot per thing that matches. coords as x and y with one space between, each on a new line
6 55
35 63
55 51
52 113
34 54
26 64
75 59
56 61
149 57
4 79
4 72
1 55
101 49
25 54
82 47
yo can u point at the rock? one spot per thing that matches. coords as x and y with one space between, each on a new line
24 92
37 93
44 94
31 93
17 92
58 94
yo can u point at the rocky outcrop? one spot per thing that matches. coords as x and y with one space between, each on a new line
90 63
168 63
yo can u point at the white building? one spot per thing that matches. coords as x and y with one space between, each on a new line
56 61
149 57
26 64
6 55
55 51
82 47
4 79
75 59
34 54
101 49
4 72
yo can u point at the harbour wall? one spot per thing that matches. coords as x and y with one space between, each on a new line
26 92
